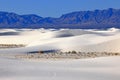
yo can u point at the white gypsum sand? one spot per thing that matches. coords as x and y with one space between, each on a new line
105 68
64 40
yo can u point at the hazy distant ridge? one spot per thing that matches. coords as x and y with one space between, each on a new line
97 19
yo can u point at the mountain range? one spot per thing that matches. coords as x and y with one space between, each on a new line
97 19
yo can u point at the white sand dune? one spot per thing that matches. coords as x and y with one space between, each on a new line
64 39
106 68
107 46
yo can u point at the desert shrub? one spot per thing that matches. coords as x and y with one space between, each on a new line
116 53
40 52
74 52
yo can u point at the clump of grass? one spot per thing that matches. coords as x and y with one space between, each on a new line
11 45
66 55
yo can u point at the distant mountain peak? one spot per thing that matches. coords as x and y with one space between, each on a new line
97 19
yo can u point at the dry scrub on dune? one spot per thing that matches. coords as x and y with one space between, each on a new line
66 55
11 45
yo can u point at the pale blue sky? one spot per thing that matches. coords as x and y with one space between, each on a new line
55 8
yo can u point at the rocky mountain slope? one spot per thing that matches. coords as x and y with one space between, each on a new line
97 19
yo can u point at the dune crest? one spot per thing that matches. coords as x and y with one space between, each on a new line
63 39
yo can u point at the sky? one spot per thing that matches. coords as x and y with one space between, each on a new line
55 8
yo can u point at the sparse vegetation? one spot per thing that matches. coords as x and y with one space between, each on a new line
11 45
66 55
